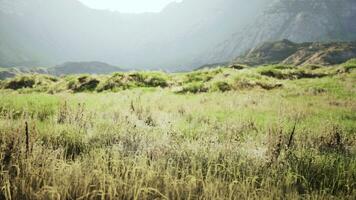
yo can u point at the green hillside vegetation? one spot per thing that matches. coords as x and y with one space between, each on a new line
273 132
205 80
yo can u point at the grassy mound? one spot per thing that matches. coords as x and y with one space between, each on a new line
123 81
221 79
286 72
83 83
348 66
37 83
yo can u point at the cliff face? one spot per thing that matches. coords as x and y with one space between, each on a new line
295 20
290 53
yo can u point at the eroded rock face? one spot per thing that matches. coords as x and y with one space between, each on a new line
327 55
296 20
290 53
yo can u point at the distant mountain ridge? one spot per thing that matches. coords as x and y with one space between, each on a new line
183 36
94 67
67 68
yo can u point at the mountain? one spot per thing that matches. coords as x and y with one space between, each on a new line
6 73
12 72
184 35
290 53
83 68
295 20
67 68
37 32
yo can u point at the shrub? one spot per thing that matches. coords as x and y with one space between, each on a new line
274 74
196 87
83 83
36 83
238 66
292 74
201 76
148 79
156 81
116 82
120 81
243 83
20 82
221 86
348 66
249 81
269 85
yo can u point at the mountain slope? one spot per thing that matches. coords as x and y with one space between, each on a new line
287 52
184 35
44 35
83 68
68 68
295 20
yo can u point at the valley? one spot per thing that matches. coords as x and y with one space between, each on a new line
179 99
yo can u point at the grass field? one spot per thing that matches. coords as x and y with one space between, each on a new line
272 132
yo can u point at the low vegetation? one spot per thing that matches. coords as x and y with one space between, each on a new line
226 133
222 79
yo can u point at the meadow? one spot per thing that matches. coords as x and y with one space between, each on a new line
272 132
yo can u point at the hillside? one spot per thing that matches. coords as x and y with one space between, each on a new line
183 36
290 53
68 68
223 79
83 68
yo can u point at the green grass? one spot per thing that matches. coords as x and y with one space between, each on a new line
349 65
213 134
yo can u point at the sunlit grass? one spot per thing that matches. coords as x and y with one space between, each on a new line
292 142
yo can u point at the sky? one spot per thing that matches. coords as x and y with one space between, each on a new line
129 6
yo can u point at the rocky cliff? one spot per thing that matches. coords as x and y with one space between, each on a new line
290 53
295 20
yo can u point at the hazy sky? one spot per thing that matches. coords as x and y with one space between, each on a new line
130 6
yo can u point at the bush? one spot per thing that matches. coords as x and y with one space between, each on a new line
38 83
274 74
120 81
194 88
155 80
114 83
83 83
253 81
201 76
292 74
348 66
20 82
238 66
221 86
